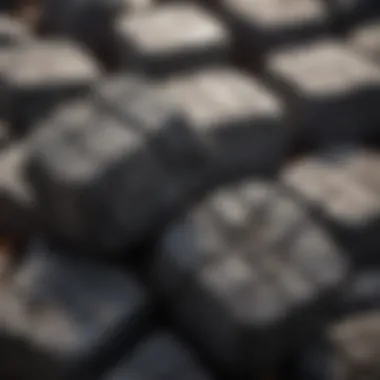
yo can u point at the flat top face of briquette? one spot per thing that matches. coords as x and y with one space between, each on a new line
366 38
323 68
50 62
174 26
11 31
344 186
81 141
213 96
278 12
253 249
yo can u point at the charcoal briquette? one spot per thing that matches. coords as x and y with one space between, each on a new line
242 269
72 311
332 92
172 38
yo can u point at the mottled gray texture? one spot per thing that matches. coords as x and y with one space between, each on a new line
173 37
365 40
263 25
343 189
41 75
241 124
242 269
72 310
11 32
106 170
333 92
